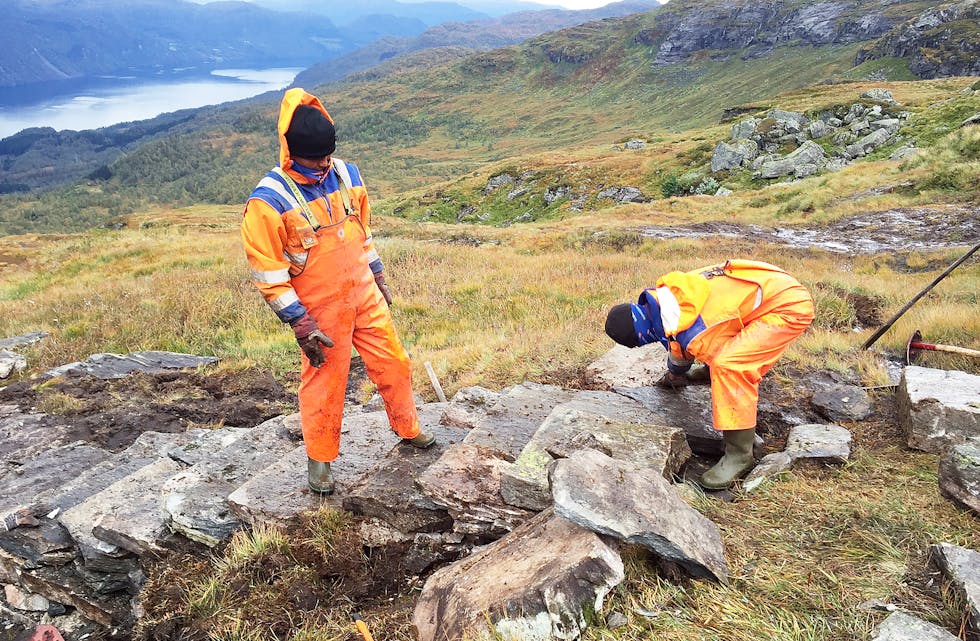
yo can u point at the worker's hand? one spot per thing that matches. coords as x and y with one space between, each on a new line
379 280
673 381
311 340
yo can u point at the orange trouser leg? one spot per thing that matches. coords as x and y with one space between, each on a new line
321 391
744 360
387 364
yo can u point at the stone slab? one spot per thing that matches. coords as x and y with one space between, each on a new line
108 366
959 474
827 443
937 407
466 482
278 493
628 367
544 580
46 471
688 408
388 492
13 342
148 447
900 626
195 499
961 566
126 515
637 505
505 422
627 429
25 435
47 544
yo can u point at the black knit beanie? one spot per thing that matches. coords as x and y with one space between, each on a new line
310 134
619 325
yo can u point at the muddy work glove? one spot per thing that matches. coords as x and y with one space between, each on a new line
379 280
311 340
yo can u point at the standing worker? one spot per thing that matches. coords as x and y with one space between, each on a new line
737 318
307 237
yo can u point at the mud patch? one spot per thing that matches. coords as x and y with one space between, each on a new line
112 413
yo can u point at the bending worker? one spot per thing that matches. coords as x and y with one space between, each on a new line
307 237
737 318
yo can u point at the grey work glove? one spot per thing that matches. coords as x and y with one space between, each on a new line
311 340
379 280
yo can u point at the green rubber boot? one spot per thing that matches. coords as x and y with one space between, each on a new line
421 441
320 477
737 460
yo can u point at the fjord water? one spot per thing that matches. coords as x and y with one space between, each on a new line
113 100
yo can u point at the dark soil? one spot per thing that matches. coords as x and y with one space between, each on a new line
112 413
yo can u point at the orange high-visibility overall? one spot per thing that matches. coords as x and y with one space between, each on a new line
327 272
744 315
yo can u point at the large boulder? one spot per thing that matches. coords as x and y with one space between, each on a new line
937 408
797 161
545 580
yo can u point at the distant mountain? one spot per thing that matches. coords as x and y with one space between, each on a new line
438 113
430 13
476 35
53 40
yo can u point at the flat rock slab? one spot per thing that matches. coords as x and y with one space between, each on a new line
119 365
828 443
506 421
279 493
195 500
962 567
48 470
23 340
638 506
959 474
466 482
128 514
937 407
204 443
900 626
389 491
24 436
545 580
628 367
688 408
147 448
624 427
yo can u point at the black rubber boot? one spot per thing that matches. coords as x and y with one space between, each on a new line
737 460
320 477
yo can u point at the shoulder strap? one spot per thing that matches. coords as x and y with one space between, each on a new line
300 198
343 179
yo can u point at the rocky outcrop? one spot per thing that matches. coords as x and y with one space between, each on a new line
943 41
755 27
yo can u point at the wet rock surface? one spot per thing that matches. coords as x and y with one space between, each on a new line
872 232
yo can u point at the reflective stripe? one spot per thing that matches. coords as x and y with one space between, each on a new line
272 278
373 255
285 300
296 259
670 310
280 189
758 299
